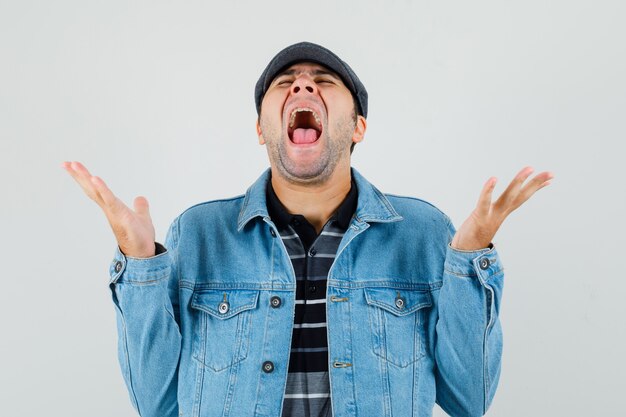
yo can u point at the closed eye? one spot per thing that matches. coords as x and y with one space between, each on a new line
283 81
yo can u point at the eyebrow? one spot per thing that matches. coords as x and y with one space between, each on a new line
319 71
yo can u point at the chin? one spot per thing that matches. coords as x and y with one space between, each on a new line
302 175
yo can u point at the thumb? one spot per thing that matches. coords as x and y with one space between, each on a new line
142 207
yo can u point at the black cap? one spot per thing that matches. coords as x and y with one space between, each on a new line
310 52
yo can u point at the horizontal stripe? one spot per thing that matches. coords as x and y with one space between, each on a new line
308 325
307 395
314 380
320 349
335 234
287 237
317 301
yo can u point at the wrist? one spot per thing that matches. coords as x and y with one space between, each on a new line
147 252
472 249
469 245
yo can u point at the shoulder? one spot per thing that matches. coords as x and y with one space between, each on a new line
420 215
416 208
213 209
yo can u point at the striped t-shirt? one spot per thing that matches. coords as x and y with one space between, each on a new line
308 390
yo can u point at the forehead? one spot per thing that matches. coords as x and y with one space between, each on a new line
310 68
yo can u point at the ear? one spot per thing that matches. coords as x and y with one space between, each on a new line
259 133
359 129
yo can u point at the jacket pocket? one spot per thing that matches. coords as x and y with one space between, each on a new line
222 319
396 320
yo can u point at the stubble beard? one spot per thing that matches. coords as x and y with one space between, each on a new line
319 171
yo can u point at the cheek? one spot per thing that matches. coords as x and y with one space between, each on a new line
268 123
273 102
342 119
270 129
339 106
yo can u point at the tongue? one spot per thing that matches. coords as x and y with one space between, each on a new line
302 135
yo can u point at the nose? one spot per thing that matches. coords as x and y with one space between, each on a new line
303 86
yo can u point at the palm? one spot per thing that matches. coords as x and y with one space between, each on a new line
481 226
133 229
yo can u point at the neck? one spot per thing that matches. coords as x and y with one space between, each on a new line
317 203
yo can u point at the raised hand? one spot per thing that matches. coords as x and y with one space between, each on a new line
133 229
481 226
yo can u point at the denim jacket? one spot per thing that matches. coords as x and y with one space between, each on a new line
411 321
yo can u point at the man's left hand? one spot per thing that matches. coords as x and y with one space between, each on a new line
478 230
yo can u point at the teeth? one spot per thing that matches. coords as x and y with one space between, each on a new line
292 119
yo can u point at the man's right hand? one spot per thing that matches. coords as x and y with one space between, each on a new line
133 229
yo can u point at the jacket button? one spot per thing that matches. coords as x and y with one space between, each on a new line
275 301
118 266
400 303
223 307
483 263
268 367
272 232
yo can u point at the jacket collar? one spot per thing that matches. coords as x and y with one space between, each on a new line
372 205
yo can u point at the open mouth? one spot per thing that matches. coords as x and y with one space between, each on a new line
305 126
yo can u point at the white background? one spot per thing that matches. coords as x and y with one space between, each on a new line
157 98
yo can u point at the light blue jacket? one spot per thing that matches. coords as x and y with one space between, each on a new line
410 320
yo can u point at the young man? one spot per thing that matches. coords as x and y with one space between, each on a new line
314 293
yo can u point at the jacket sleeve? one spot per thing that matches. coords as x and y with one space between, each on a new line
145 294
468 348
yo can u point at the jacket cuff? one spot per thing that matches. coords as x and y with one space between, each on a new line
139 270
481 263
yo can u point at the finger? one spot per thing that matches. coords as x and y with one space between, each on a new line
484 201
510 195
545 184
83 178
70 170
538 182
108 198
77 171
80 169
541 180
524 173
515 185
142 207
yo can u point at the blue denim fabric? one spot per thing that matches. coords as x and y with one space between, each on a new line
411 321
